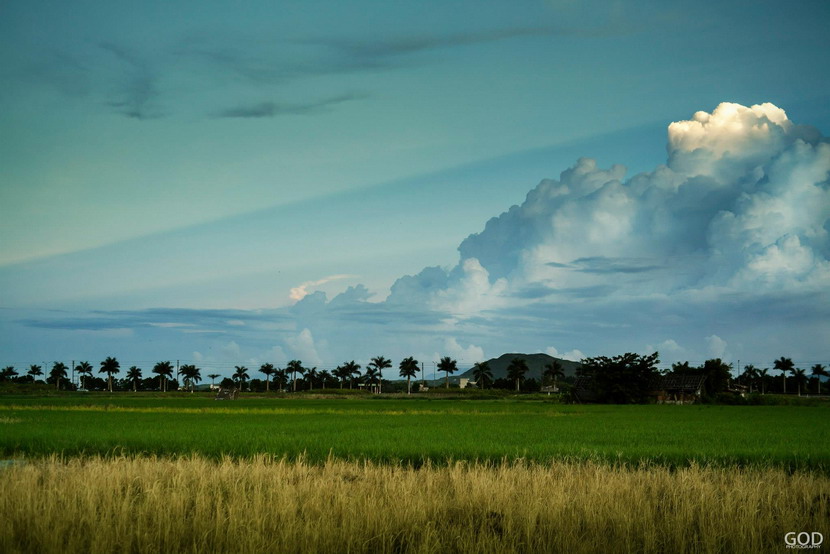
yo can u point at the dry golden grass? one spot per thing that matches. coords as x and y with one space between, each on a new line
150 504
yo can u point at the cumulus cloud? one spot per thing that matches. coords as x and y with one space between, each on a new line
468 355
302 347
572 355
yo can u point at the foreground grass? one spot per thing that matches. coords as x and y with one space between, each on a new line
264 504
417 431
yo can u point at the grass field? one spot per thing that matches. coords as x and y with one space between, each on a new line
143 473
413 431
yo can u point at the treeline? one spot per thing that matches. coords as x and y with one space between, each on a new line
627 378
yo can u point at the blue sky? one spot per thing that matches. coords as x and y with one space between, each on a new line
332 181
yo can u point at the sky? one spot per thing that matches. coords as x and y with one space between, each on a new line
228 184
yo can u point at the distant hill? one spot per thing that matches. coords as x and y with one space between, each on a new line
535 362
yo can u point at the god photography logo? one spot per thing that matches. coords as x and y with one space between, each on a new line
804 540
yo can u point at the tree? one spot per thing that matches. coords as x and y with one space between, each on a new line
325 379
553 371
409 369
517 370
240 375
213 377
191 374
749 377
34 372
370 376
380 363
351 370
482 373
267 370
110 366
8 373
762 376
784 365
165 371
85 369
311 375
800 377
818 372
281 378
134 375
447 365
58 373
295 367
624 379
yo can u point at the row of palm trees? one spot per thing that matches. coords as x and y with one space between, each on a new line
758 377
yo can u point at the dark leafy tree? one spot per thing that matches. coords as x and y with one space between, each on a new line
295 367
268 370
482 373
240 375
370 377
34 371
8 373
312 375
800 378
409 369
58 373
516 371
110 366
447 365
281 378
85 370
553 371
352 370
380 363
818 371
191 374
165 371
784 365
762 377
134 376
624 379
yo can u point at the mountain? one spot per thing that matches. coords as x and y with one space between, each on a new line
535 362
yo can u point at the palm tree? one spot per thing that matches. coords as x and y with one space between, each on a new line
762 376
311 375
85 369
34 371
482 373
165 371
240 375
295 367
380 363
447 365
8 373
818 372
58 372
134 374
109 366
351 370
191 374
213 377
267 370
553 371
784 365
370 376
516 370
325 377
800 377
280 377
409 369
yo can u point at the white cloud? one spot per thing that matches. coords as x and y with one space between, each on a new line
302 347
301 291
230 351
717 347
469 355
574 355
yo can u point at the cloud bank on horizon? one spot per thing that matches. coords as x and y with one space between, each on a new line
733 227
721 252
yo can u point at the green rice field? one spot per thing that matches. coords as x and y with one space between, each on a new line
414 431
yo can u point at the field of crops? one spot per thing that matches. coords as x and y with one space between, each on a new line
143 473
413 431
